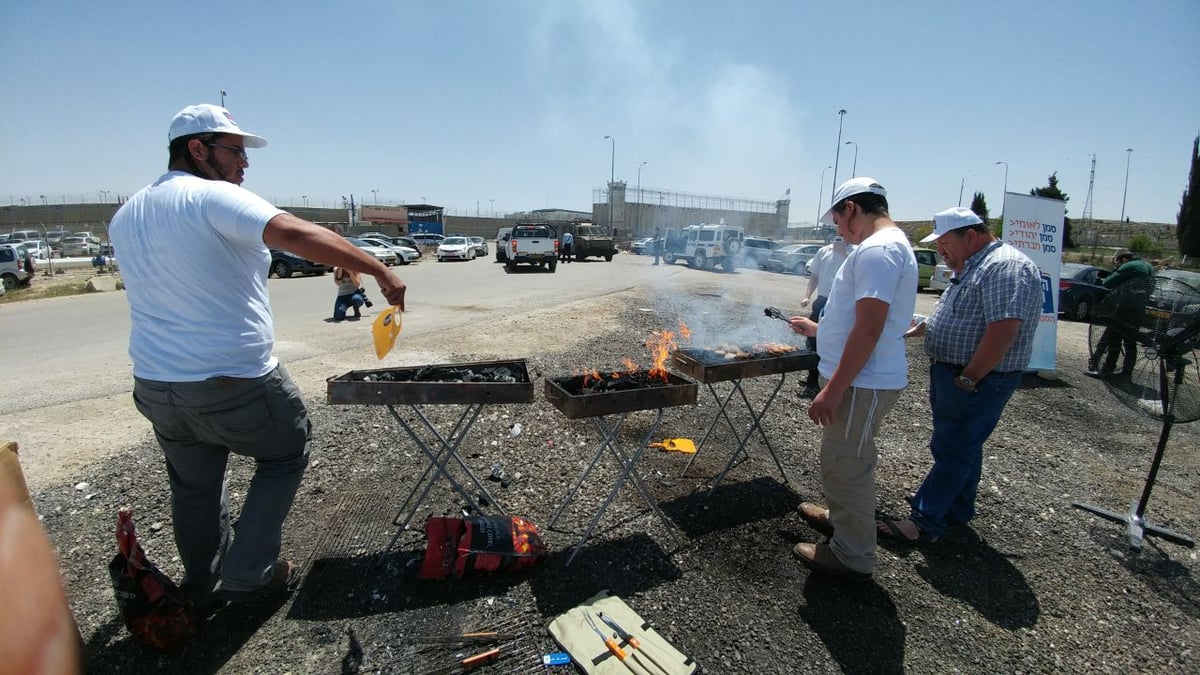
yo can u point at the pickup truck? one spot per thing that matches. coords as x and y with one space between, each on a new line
532 244
592 240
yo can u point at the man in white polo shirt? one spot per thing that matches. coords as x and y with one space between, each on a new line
194 258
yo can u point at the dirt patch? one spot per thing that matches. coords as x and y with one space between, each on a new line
1032 585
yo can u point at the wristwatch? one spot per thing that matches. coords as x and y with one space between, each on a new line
965 383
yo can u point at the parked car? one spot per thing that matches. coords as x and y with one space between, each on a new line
641 246
80 247
426 238
404 254
756 251
407 241
927 261
1190 278
1079 290
16 267
285 263
481 246
38 248
383 255
18 236
455 248
791 259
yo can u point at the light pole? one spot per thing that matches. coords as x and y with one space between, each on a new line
375 195
43 198
1005 189
854 168
305 199
612 163
1128 156
838 155
104 196
961 183
222 98
492 207
639 211
821 191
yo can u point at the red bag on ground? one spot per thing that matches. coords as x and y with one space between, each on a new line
152 605
461 547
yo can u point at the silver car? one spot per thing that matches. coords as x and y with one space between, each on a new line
383 255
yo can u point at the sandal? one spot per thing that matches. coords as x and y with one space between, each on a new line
890 529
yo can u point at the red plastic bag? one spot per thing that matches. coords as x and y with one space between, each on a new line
461 547
152 605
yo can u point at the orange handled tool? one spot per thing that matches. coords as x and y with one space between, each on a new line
608 642
630 640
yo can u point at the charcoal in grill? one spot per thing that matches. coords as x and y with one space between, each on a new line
447 374
450 383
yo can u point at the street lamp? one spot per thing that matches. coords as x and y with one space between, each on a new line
305 198
375 195
854 169
1005 189
639 209
821 191
104 196
492 207
223 98
1128 156
43 198
838 155
612 163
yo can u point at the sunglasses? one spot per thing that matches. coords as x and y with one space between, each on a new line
240 153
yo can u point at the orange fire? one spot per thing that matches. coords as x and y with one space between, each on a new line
660 344
684 331
630 366
590 375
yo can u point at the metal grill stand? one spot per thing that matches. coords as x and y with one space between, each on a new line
690 363
366 387
681 392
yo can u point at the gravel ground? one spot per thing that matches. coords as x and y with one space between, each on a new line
1032 585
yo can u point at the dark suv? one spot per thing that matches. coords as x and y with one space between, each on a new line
284 264
756 251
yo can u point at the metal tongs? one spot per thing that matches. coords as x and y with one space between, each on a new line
775 313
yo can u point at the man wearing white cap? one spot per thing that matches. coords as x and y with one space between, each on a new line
194 257
979 340
860 341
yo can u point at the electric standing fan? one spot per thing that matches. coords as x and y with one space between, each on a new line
1149 328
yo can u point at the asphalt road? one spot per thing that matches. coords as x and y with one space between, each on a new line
74 348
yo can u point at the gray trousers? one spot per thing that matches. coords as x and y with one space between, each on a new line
198 424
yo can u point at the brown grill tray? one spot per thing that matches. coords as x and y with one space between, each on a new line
353 388
679 391
705 366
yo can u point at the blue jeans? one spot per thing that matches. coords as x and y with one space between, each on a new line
962 421
198 424
345 302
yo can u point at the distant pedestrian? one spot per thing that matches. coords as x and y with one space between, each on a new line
350 293
1111 343
568 240
657 245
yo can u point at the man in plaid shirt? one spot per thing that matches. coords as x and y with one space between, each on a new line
979 340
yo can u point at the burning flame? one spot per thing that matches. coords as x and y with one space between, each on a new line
590 376
660 344
684 331
630 366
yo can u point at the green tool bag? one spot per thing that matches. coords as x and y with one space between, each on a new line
654 656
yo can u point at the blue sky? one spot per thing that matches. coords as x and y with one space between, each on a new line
468 102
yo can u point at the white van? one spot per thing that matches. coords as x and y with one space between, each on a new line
501 237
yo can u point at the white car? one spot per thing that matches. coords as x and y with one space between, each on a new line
940 280
455 248
404 254
80 247
383 255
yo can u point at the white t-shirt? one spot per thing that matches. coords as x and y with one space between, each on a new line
195 271
881 267
824 267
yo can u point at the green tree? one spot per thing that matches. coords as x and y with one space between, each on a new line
979 206
1052 191
1142 244
1188 219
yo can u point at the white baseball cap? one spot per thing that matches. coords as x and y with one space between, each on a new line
207 118
854 186
951 219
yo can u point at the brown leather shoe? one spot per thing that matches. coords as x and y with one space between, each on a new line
817 516
820 558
